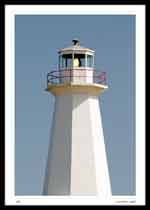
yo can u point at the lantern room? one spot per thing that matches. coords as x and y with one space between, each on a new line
76 57
76 64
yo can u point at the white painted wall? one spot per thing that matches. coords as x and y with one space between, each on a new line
77 162
57 180
102 174
78 76
83 177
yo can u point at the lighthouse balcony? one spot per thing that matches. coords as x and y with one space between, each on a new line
76 76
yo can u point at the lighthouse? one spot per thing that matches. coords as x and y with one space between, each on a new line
77 161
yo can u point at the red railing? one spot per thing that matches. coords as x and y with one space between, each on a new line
56 77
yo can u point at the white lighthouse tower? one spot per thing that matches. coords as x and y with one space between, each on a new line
77 162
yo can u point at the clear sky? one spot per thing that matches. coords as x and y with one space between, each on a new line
37 40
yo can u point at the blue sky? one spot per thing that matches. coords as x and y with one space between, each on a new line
37 40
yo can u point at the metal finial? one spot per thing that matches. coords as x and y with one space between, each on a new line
76 42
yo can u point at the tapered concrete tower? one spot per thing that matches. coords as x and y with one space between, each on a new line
77 162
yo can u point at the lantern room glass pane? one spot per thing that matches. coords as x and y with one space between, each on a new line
89 60
65 61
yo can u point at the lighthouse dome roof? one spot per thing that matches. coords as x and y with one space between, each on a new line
76 47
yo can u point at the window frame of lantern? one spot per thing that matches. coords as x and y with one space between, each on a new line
92 57
62 67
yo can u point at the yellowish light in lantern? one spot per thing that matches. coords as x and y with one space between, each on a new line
76 62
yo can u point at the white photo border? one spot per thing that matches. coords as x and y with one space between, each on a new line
10 12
